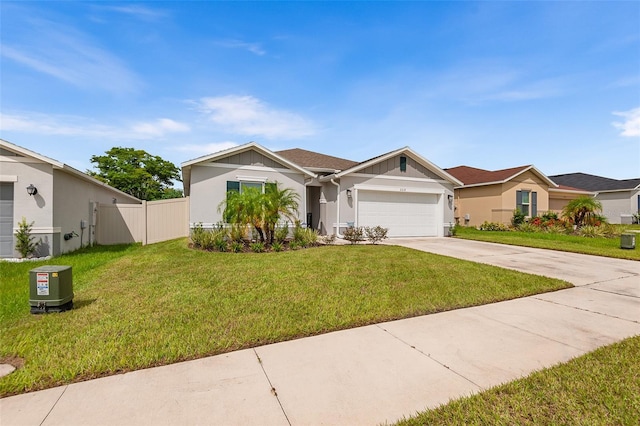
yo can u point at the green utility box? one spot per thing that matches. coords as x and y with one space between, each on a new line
50 289
628 241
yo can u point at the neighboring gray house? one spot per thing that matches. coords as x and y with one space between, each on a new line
620 198
399 190
64 201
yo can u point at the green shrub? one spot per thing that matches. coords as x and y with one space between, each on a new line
276 246
237 232
24 244
219 239
518 218
354 234
282 233
294 245
549 216
236 246
591 231
376 234
529 227
257 247
493 226
305 237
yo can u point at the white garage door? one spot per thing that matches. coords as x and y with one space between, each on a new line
405 214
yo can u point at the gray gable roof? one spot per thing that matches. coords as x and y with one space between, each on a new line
595 183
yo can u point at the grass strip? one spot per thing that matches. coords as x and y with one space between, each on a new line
599 388
607 247
139 307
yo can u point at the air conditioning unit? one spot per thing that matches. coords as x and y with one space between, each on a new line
50 289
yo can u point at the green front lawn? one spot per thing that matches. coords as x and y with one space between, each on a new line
608 247
599 388
139 307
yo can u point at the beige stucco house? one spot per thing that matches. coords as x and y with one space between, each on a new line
399 190
64 201
493 195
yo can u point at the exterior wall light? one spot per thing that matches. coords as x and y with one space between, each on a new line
450 197
348 193
32 190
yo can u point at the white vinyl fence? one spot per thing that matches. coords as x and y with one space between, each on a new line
146 223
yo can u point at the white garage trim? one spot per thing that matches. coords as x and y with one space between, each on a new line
424 207
398 189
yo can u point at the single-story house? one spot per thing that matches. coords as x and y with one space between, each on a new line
493 195
399 190
60 201
620 198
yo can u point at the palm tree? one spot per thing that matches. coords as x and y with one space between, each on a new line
245 208
279 203
581 209
262 211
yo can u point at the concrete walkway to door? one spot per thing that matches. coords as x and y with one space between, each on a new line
373 374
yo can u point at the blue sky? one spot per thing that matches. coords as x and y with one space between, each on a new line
485 84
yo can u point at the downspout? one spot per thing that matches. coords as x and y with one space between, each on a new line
337 209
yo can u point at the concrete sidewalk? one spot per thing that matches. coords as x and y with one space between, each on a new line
373 374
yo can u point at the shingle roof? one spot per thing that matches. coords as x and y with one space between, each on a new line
315 160
472 176
594 183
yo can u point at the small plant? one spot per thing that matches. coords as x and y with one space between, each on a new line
529 227
236 246
354 234
453 230
276 246
518 218
237 232
257 247
329 239
492 226
591 231
304 237
294 245
24 244
376 234
282 233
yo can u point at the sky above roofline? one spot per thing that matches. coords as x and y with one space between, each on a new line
491 85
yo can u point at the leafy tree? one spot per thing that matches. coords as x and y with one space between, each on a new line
137 173
581 209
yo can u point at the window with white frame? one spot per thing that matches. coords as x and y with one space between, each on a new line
527 202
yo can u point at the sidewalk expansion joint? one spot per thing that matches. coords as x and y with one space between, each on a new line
54 405
429 356
587 310
274 392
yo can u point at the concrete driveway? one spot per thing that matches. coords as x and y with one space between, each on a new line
369 375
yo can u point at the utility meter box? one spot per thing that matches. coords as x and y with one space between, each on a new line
628 241
50 289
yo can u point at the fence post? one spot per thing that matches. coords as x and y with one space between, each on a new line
145 226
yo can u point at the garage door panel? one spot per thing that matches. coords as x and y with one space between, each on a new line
405 214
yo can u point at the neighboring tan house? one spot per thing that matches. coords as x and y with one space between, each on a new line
494 195
63 203
620 198
399 190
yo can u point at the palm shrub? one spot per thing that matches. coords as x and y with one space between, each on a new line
282 233
260 210
580 210
24 244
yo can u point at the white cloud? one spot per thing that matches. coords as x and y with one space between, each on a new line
64 125
631 126
160 127
246 115
138 11
69 55
255 48
205 149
